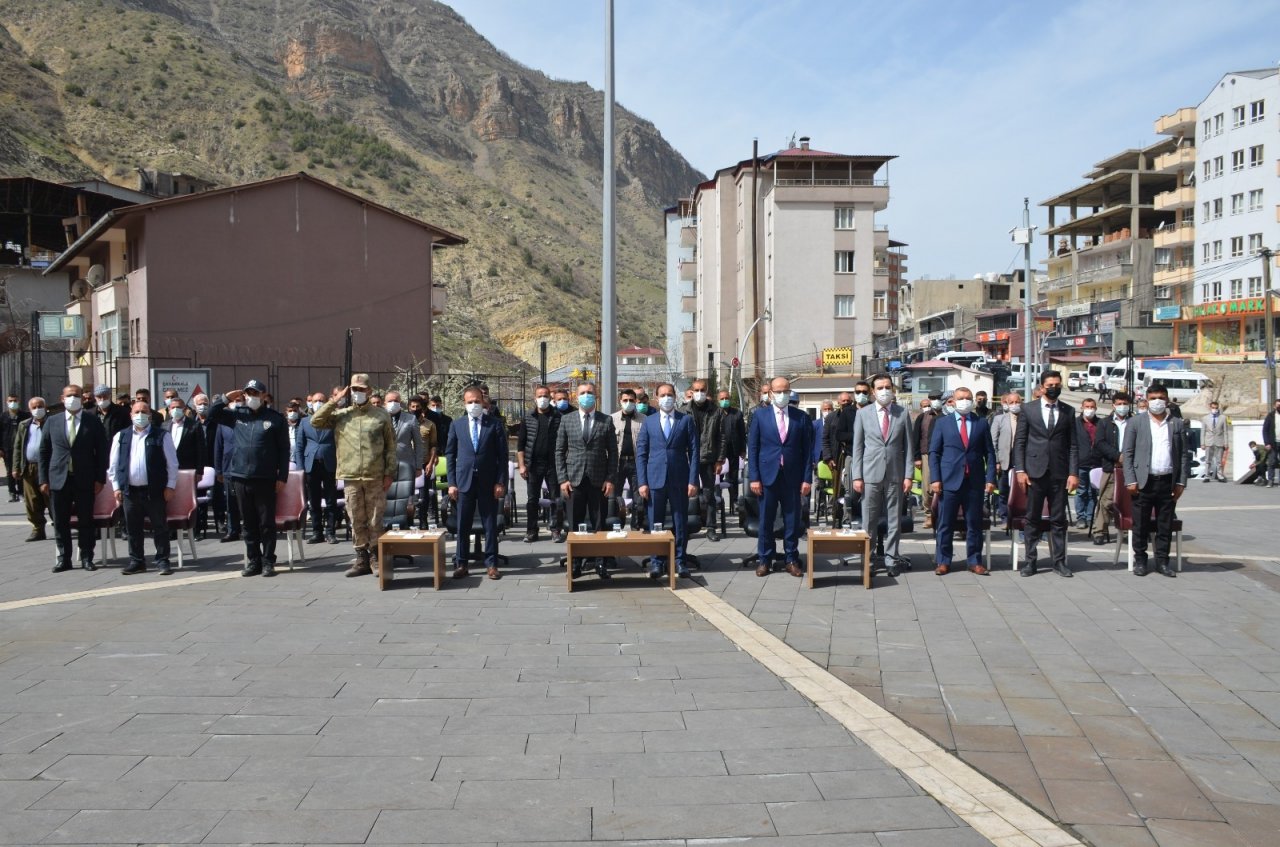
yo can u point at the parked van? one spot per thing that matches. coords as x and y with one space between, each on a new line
1119 373
963 359
1099 371
1182 385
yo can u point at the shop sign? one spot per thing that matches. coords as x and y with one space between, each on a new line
994 335
1044 324
1230 308
836 356
1071 310
1168 313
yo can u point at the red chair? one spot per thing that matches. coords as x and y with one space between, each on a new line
105 512
935 504
1018 518
291 505
1121 510
180 514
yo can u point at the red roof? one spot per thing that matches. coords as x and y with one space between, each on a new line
802 151
639 351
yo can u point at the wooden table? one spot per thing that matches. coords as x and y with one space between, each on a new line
402 543
832 542
581 545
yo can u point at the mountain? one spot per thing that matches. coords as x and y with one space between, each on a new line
399 100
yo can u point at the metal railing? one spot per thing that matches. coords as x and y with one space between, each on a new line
830 183
1086 277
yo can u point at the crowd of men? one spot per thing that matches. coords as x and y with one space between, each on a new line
649 463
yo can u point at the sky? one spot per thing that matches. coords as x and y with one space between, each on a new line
984 103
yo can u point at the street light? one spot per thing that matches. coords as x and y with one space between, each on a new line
736 364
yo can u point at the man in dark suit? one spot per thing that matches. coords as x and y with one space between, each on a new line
962 467
476 454
1155 472
316 453
779 450
667 471
144 473
1108 444
11 420
73 469
187 436
586 463
114 416
1045 458
735 445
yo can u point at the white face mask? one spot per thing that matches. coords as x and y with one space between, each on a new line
13 406
233 405
628 406
948 409
475 410
202 409
435 409
964 407
177 414
141 420
542 403
1157 407
936 405
667 402
781 399
39 413
861 399
293 416
254 403
699 396
1121 411
359 397
1015 408
393 408
1004 407
884 396
1089 413
72 403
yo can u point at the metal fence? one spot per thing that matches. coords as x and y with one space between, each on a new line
43 374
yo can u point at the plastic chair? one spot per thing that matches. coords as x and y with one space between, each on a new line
291 505
105 512
935 504
825 491
180 514
1122 513
1018 517
204 495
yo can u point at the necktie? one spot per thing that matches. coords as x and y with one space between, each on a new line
586 427
782 425
1053 415
71 440
884 422
475 435
666 426
964 432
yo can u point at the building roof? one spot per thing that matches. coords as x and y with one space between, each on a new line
636 350
934 363
1260 73
36 208
110 218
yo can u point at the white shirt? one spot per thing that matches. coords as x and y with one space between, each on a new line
33 442
138 459
176 431
1121 423
1044 408
1161 448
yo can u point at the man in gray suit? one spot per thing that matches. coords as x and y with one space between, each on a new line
1003 429
1155 472
1213 438
883 466
586 463
409 447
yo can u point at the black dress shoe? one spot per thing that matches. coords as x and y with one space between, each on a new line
36 535
252 569
558 538
61 566
891 569
133 569
268 569
577 568
1027 570
230 536
88 564
713 536
1063 571
1165 570
316 539
331 538
1099 540
165 570
1139 569
530 537
602 570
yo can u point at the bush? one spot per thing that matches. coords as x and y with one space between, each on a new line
493 270
526 257
39 65
74 90
176 136
238 123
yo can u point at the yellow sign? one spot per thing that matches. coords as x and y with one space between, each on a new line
835 356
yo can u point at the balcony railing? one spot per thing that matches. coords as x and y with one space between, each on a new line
1103 274
830 183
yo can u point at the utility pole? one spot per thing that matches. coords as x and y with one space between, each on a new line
1022 235
346 363
608 389
1270 329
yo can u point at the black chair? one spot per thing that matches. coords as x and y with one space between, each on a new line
477 528
749 520
401 502
692 525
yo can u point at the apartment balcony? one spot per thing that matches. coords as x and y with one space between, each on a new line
688 270
871 191
1181 122
1178 235
1179 198
688 232
1106 275
1182 159
1176 273
689 305
882 238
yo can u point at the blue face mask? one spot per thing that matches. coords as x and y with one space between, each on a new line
642 408
586 401
562 405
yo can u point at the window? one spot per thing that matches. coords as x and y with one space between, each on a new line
1208 127
1237 117
1206 215
1237 246
1255 244
1237 289
1217 208
880 305
1237 160
1208 170
1204 291
1217 250
844 217
844 262
1255 286
1257 111
1205 251
1255 156
109 336
1237 204
1255 200
1217 166
1216 289
1217 124
844 305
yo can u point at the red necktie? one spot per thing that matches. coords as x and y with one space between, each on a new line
964 439
884 422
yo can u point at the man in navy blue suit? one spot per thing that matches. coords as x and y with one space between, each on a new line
962 465
667 471
316 453
476 454
779 456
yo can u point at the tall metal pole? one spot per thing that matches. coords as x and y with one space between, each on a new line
755 255
1028 336
1268 313
609 347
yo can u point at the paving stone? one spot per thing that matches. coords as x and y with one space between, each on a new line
1085 802
869 815
1057 757
1116 836
954 837
1180 833
233 794
498 767
465 826
563 743
857 785
1160 789
134 827
724 790
315 827
597 765
90 767
1016 772
20 794
549 795
697 821
89 794
1041 717
1117 737
991 739
1256 824
31 827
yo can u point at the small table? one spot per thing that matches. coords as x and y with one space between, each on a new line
582 545
832 542
402 543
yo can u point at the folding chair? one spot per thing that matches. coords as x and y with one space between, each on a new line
1122 515
105 513
291 505
1018 518
180 514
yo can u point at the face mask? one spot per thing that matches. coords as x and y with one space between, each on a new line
1015 408
699 396
39 413
293 417
884 396
562 405
1157 407
1121 411
781 399
141 420
13 407
667 402
202 409
359 397
764 399
254 403
861 399
475 410
542 403
964 407
948 409
1052 391
393 408
1215 412
1089 413
233 405
587 401
1004 407
642 407
936 405
177 414
72 403
628 407
435 409
724 404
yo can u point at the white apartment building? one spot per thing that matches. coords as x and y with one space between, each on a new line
1237 214
681 228
822 268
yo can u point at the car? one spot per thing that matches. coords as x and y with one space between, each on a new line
1077 381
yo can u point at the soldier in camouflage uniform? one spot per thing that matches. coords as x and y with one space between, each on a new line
366 464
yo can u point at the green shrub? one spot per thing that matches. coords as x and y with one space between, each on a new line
39 65
73 89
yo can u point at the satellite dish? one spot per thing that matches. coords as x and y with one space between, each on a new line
96 276
80 289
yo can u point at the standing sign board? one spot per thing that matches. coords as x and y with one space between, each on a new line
188 382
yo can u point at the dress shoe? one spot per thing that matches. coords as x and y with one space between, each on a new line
88 564
61 566
331 538
655 570
713 536
230 536
252 569
1139 568
891 568
978 569
133 568
794 569
493 573
602 570
268 569
461 572
165 570
1063 571
1165 570
684 573
576 567
763 569
316 539
1099 540
1027 570
36 535
942 570
530 537
902 562
558 537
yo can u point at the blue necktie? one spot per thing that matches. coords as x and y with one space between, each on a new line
475 435
666 426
